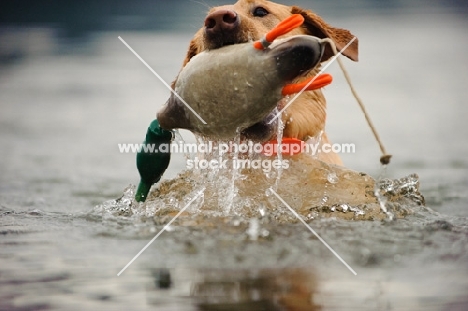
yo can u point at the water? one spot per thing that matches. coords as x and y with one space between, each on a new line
232 189
65 105
279 155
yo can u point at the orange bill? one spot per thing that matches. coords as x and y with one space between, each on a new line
318 82
282 28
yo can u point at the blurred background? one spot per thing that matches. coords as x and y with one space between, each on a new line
70 92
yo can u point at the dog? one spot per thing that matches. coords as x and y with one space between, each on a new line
249 20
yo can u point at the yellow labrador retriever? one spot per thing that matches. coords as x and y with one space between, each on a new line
249 20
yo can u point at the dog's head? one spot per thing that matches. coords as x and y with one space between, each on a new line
249 20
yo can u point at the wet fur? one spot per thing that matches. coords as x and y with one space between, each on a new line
306 116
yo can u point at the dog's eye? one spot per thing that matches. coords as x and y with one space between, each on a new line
260 11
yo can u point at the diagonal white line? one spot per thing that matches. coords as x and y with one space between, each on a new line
161 79
161 231
312 230
311 81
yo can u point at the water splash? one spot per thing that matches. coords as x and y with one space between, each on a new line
232 190
279 155
254 229
379 194
397 189
122 211
315 143
123 206
332 177
195 206
404 187
178 139
346 208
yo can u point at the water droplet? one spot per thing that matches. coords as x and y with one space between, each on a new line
324 199
265 233
253 229
169 228
236 222
332 178
356 211
271 175
262 210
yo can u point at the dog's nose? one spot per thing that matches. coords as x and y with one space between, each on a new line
221 21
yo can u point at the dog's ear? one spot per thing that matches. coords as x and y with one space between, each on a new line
316 26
